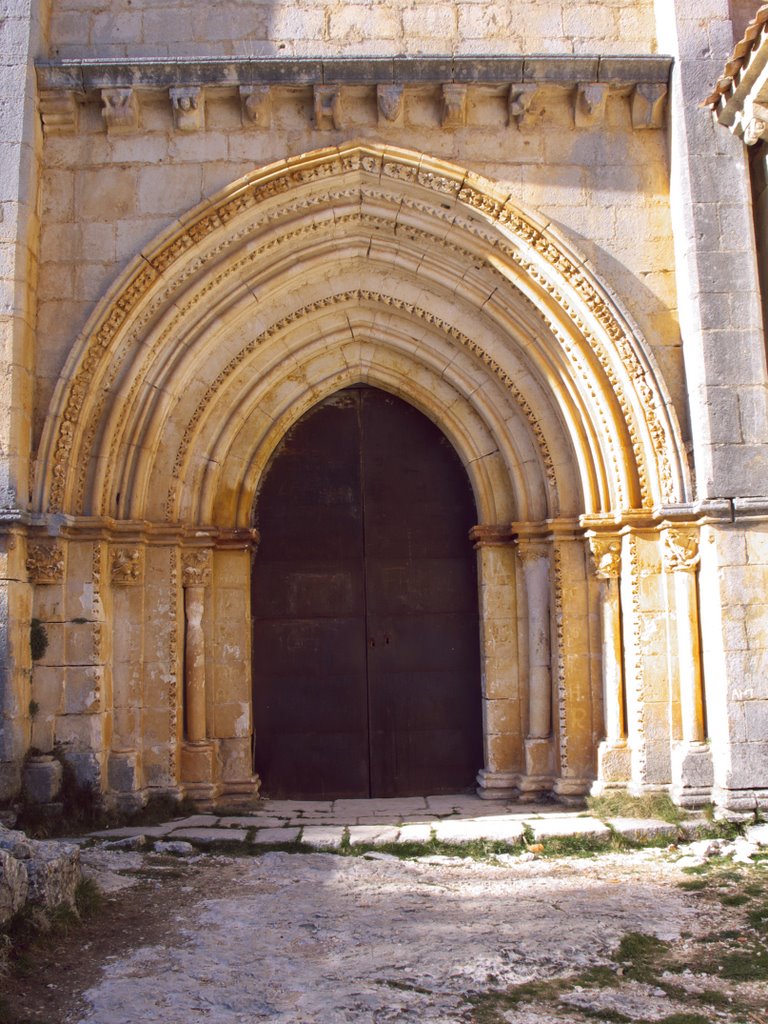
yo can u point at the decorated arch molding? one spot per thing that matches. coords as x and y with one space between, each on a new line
358 264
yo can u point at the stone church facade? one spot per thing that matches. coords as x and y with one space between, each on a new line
516 218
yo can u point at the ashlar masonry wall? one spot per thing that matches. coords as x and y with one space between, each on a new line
314 28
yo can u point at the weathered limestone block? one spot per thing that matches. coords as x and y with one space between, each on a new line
42 779
54 873
14 885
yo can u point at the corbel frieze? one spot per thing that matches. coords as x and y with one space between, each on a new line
188 103
390 104
519 101
590 101
648 105
256 105
58 111
453 110
120 110
328 108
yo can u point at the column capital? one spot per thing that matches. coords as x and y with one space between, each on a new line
126 566
196 568
606 556
680 549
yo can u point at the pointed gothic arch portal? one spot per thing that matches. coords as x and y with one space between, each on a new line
364 265
366 646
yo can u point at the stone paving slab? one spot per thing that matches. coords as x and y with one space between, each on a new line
153 831
375 834
276 836
449 831
196 821
542 828
323 837
393 806
415 833
210 835
296 808
642 828
250 821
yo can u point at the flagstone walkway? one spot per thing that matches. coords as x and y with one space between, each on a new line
326 825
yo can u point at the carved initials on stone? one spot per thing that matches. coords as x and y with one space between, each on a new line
454 106
45 562
188 107
328 109
120 110
390 103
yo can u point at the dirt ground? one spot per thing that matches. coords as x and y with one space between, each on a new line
282 937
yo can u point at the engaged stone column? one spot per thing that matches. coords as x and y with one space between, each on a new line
197 761
499 777
613 759
539 750
196 576
124 770
692 774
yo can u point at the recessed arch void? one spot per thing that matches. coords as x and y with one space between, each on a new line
361 264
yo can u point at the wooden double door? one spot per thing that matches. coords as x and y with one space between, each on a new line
365 615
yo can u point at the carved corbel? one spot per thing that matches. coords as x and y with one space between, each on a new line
681 550
390 100
519 103
606 557
328 109
754 123
256 105
125 566
453 111
589 104
45 562
188 104
648 105
58 111
120 110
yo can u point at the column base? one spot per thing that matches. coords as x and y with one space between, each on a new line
497 785
571 792
241 788
614 767
692 774
199 770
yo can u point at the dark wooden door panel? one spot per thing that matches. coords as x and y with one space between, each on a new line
366 660
309 638
421 590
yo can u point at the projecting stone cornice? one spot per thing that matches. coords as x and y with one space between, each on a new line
118 83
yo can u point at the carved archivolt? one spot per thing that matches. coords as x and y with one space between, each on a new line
621 407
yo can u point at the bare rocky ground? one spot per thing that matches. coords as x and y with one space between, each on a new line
302 938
